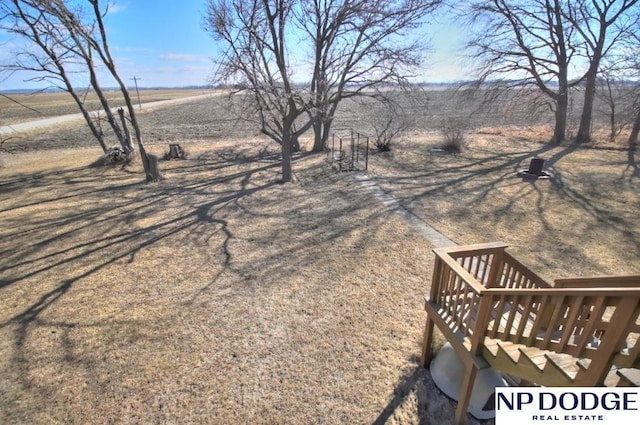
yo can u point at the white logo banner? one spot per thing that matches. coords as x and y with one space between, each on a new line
567 405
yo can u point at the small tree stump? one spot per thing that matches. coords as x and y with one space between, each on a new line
175 152
154 174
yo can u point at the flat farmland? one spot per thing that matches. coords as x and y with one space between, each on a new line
219 296
17 108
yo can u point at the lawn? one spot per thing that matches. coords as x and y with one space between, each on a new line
219 296
214 296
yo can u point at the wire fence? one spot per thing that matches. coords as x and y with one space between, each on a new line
349 152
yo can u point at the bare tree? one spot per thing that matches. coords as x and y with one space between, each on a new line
355 46
358 46
601 24
71 34
615 95
390 121
632 70
53 61
527 43
253 33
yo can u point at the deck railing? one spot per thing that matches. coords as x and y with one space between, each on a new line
482 291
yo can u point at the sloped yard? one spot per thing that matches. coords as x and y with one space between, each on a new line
219 296
214 296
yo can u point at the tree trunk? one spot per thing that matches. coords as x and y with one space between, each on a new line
287 171
127 145
104 102
322 131
295 143
150 163
153 175
584 131
633 137
560 129
95 130
318 143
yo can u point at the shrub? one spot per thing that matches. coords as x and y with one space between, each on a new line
389 125
453 137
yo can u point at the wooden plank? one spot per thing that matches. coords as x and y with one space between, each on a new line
511 350
537 358
491 344
562 363
482 323
458 270
457 251
590 328
612 338
525 320
537 280
511 317
564 292
486 261
539 321
624 281
629 377
435 279
496 269
498 313
574 311
559 306
427 343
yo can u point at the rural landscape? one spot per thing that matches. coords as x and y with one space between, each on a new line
258 302
217 289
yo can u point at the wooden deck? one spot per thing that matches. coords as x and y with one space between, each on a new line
493 309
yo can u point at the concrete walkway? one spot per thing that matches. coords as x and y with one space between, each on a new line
437 239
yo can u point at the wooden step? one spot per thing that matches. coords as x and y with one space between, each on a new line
611 380
510 350
628 377
535 357
547 368
530 363
562 363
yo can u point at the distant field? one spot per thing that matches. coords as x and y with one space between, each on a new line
26 107
220 118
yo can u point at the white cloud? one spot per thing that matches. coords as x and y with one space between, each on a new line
115 7
182 57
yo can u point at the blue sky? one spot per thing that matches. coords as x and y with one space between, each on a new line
163 44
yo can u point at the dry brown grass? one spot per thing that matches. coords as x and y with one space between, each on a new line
215 296
583 221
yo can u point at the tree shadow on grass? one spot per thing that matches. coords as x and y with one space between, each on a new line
417 390
76 226
45 248
487 192
78 223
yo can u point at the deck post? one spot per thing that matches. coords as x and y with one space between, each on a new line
427 343
465 394
495 268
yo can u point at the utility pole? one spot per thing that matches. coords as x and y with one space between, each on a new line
135 80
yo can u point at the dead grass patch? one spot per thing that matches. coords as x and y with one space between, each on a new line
580 222
214 296
219 296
